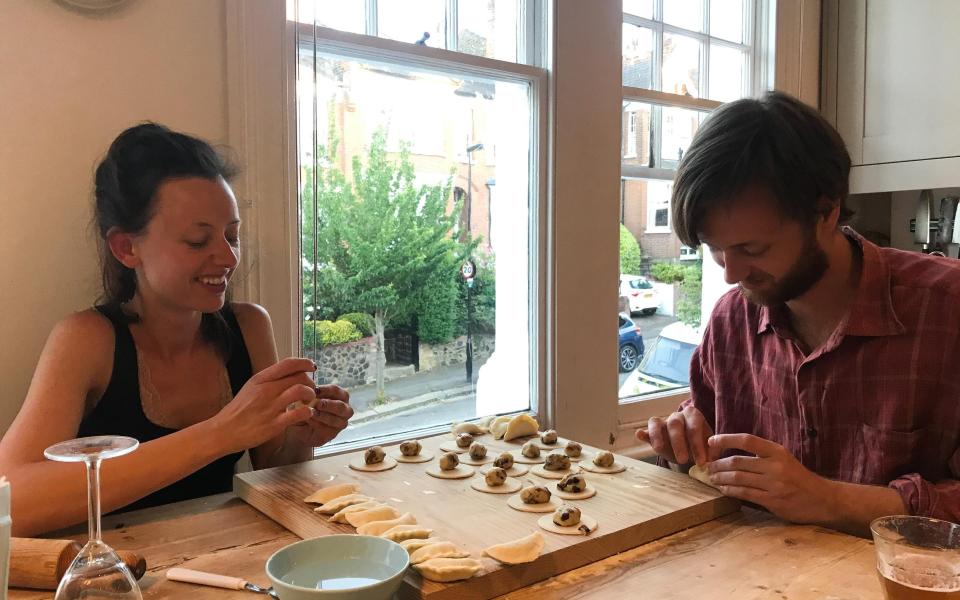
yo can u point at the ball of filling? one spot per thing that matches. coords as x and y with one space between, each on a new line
567 516
373 455
530 450
449 461
410 448
464 440
603 459
478 451
573 449
557 462
549 437
536 494
504 461
573 483
495 477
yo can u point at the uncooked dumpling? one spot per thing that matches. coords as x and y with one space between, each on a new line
398 533
449 461
379 513
337 504
437 550
549 437
567 516
573 483
701 475
498 426
449 569
341 515
520 426
526 549
495 477
378 527
327 494
414 544
470 428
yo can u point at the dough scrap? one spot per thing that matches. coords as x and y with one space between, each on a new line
378 527
342 502
445 570
324 495
437 550
378 513
520 426
524 550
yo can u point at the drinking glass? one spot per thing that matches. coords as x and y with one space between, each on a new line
917 557
97 572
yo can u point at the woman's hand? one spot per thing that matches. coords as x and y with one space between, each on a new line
259 411
331 412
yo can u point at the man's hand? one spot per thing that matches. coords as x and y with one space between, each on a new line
772 478
681 437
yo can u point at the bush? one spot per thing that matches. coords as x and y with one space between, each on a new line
629 252
483 297
329 332
691 290
364 323
667 272
437 311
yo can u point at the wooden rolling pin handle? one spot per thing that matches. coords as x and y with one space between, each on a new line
211 579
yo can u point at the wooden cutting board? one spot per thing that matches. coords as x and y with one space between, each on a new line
642 504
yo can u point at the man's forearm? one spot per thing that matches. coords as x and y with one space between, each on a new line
851 507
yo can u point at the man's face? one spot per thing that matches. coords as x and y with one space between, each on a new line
772 258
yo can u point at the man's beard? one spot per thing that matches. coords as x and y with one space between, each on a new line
803 275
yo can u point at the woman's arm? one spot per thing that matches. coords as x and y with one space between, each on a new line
75 366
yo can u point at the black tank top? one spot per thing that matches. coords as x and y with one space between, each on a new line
120 412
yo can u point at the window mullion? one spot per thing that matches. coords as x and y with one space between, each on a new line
452 25
371 25
705 53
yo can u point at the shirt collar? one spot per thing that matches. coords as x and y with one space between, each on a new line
871 313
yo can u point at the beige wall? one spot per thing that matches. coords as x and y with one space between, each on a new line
69 83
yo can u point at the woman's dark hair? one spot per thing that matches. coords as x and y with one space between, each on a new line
125 186
776 142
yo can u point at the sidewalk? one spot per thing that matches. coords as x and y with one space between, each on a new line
408 393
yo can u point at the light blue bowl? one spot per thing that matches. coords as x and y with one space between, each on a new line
338 567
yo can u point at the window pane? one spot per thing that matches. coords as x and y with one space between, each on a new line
345 15
397 191
679 126
488 28
681 65
684 13
396 21
726 19
636 133
637 56
727 66
639 8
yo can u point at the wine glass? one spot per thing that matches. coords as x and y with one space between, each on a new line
97 572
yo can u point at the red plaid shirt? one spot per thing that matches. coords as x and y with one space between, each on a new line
878 403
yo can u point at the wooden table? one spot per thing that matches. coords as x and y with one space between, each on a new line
744 556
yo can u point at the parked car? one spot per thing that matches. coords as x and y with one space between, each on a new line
631 345
667 363
640 294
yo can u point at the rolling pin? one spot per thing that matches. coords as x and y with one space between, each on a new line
39 564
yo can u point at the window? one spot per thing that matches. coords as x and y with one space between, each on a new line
681 59
396 183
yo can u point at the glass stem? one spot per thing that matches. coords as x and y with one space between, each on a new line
93 499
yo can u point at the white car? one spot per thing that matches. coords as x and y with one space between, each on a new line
640 294
666 363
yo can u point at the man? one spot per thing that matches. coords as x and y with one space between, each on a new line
827 386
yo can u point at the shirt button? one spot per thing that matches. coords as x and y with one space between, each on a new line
811 432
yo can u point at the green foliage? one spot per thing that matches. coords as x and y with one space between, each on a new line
667 272
629 252
437 310
691 290
330 332
363 322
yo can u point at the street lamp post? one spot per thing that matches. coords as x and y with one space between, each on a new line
469 269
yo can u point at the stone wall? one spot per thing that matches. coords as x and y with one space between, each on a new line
349 364
455 352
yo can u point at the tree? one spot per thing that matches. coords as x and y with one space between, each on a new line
630 253
690 278
380 237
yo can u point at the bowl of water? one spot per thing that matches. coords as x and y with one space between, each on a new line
338 567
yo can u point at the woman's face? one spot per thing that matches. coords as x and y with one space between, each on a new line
191 246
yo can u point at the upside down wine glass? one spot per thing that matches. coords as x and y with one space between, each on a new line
97 572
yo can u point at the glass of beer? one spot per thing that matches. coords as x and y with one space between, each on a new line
918 558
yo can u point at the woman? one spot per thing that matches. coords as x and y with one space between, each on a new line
166 358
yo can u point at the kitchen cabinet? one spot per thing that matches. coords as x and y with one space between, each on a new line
889 85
